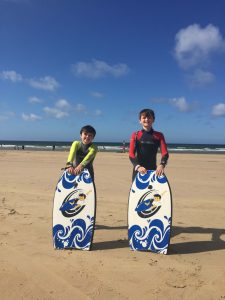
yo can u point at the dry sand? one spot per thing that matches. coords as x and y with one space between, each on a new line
31 269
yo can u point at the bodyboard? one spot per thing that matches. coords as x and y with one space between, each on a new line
150 213
74 211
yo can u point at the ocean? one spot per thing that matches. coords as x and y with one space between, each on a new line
106 146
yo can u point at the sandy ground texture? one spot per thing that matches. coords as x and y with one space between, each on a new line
31 269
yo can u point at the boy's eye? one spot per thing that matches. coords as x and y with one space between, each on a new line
88 134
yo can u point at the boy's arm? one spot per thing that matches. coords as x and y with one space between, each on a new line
92 151
164 156
73 150
164 151
132 151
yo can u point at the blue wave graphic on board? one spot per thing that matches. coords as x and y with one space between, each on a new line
69 180
77 236
160 179
153 237
142 180
85 177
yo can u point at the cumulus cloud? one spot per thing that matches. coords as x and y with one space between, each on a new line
97 94
30 117
60 109
158 100
80 108
194 45
201 77
97 112
180 103
62 104
218 110
35 100
11 75
97 69
6 115
45 83
55 112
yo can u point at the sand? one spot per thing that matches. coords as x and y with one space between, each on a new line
31 269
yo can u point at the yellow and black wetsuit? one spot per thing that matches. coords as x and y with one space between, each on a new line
82 154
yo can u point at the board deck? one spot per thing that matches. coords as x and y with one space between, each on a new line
74 211
150 213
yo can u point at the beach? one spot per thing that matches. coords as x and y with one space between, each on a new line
30 268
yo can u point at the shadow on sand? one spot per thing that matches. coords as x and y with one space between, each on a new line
215 243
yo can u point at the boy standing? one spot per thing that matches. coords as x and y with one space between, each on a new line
82 153
144 145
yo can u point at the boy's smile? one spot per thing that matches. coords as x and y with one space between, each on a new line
146 122
86 137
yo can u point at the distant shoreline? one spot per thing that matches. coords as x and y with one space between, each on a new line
50 149
120 147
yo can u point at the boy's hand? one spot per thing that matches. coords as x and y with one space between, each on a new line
142 170
70 170
160 170
78 169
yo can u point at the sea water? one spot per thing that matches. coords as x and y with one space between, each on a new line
107 146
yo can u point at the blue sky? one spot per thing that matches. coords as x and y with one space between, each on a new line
65 64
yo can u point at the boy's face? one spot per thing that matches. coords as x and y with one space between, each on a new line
146 121
157 198
86 137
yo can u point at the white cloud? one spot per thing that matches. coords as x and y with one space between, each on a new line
45 83
218 110
80 108
97 69
195 45
60 109
30 117
181 104
55 112
62 104
158 100
34 100
97 94
6 115
201 77
11 75
97 112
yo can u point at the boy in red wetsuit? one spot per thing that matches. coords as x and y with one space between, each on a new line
144 145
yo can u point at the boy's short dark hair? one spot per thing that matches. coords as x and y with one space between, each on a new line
147 113
89 129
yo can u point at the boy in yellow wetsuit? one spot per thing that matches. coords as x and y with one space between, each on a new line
82 153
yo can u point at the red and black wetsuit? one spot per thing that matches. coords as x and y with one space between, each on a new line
143 149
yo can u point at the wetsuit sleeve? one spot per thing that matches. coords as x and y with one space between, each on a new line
92 151
73 150
132 150
164 151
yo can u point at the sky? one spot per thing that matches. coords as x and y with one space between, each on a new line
69 63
